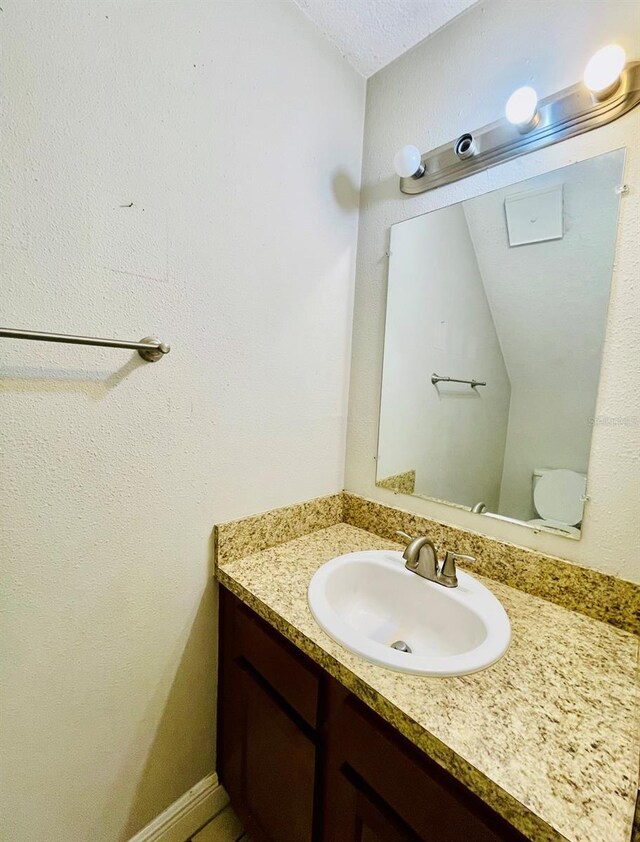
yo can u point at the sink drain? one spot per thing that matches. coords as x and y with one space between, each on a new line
401 646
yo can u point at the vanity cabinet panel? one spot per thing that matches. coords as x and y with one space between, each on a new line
304 760
276 781
266 748
357 814
282 666
380 786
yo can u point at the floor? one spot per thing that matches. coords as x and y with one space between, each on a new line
225 827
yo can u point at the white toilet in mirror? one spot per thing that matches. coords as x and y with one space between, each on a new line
558 497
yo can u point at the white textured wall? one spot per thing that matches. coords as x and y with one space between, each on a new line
456 81
438 320
235 129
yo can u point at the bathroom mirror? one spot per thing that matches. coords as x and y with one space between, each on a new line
496 316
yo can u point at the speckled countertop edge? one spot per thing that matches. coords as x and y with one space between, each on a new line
521 816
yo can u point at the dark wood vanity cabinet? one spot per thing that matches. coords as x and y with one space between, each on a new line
267 718
304 760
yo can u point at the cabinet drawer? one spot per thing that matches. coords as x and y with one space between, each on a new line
279 663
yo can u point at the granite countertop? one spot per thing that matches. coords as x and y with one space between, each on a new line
548 736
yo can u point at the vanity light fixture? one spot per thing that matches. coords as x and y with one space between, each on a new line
465 146
407 162
602 73
522 109
610 88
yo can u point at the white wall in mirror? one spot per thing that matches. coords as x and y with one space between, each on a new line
496 46
438 320
549 302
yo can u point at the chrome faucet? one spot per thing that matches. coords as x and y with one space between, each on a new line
421 557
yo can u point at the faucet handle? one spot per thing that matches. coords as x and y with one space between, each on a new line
448 571
447 574
454 557
404 535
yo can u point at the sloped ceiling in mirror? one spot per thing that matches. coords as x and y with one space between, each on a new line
560 286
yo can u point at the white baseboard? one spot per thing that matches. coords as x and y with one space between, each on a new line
186 815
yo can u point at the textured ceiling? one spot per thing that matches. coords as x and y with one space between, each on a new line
371 33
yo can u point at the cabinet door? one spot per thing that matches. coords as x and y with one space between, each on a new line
267 752
380 788
277 769
356 813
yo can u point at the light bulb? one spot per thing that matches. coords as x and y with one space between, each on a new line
602 73
522 108
407 162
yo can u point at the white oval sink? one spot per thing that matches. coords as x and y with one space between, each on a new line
368 601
